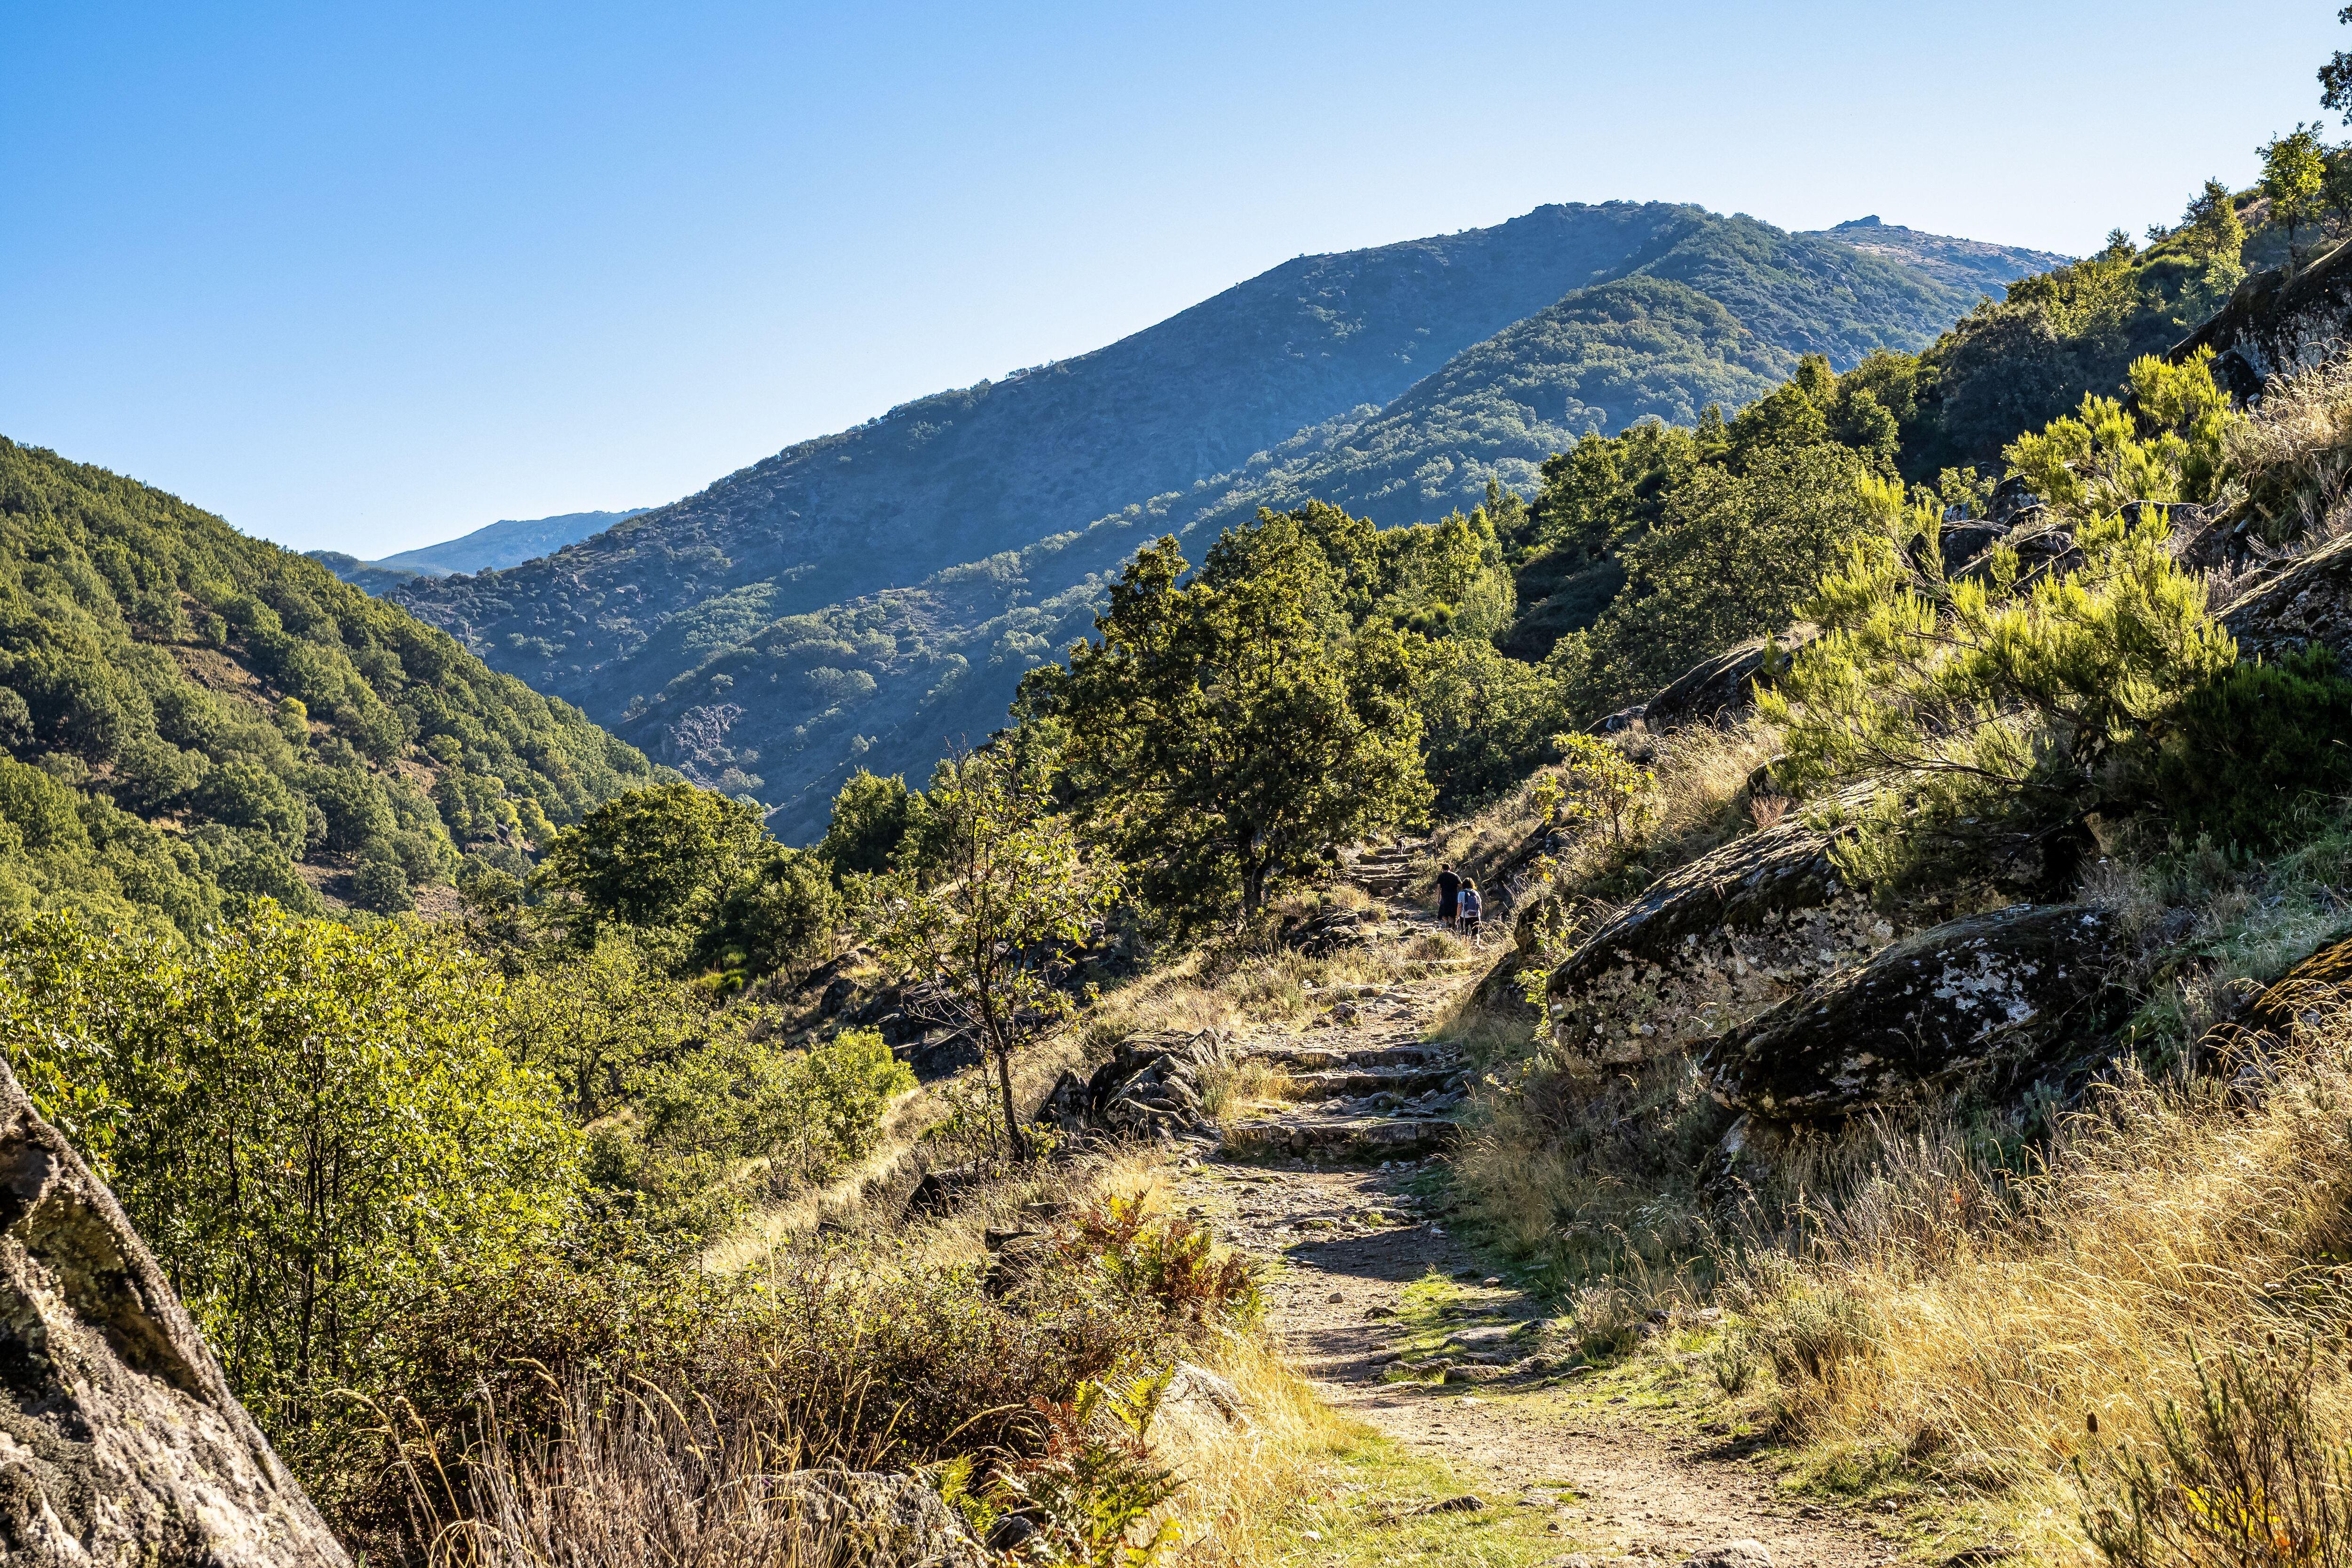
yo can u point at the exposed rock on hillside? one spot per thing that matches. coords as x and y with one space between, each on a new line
2309 601
1708 945
119 1441
2011 985
1150 1087
2275 322
1722 688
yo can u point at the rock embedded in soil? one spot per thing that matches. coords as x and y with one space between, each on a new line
1709 946
2016 985
1721 690
2309 601
120 1442
1731 1554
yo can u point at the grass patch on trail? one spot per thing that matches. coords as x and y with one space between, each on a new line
1359 1511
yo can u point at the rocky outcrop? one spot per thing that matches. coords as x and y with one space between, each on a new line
2308 601
1722 688
2016 985
1150 1087
2276 322
1707 946
119 1441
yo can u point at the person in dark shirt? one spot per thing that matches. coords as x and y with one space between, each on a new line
1449 892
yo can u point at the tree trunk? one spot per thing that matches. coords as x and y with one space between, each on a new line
1012 1135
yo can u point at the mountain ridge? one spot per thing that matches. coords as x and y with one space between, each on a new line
834 588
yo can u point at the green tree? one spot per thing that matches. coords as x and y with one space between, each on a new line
2336 76
871 818
595 1020
2212 223
784 916
1734 557
1015 898
2024 687
2294 175
1596 784
665 856
308 1123
1221 733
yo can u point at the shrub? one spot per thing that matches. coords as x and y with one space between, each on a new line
2249 1475
2255 745
382 886
307 1124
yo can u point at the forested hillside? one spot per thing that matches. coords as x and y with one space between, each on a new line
868 599
192 717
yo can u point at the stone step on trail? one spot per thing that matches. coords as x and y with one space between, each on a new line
1306 1059
1343 1137
1355 1083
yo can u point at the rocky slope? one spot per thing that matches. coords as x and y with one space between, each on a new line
870 597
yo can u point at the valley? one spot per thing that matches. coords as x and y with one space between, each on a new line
1630 889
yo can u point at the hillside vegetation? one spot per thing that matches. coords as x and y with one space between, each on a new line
1919 1049
192 717
870 599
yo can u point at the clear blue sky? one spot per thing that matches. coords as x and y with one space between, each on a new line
368 276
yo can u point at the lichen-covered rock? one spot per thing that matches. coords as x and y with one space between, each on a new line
1635 1011
2308 601
1784 867
1721 689
119 1441
1708 945
2014 984
875 1518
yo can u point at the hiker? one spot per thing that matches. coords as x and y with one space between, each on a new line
1471 909
1449 888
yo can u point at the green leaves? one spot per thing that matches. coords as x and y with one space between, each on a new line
663 856
1014 896
1226 732
305 1122
2017 684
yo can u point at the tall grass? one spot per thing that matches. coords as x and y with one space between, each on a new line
1934 1312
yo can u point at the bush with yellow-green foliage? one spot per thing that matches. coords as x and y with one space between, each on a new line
308 1123
2016 695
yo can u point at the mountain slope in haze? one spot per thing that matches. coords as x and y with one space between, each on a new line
509 543
867 599
963 474
188 715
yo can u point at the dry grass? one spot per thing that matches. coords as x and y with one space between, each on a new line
631 1482
2295 450
1249 1084
1934 1315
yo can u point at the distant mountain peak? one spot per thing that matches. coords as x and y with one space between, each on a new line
867 597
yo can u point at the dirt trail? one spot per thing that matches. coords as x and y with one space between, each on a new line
1348 1238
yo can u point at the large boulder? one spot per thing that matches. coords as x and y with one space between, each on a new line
119 1441
2308 601
2013 986
1708 945
1722 688
2277 323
